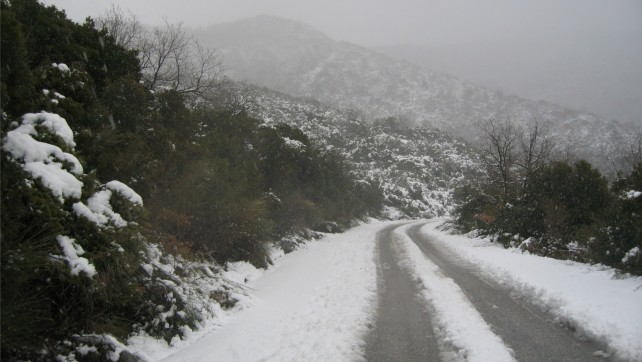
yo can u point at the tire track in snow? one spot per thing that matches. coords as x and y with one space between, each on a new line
403 330
462 333
532 334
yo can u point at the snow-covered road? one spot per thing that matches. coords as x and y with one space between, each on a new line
598 302
314 305
324 303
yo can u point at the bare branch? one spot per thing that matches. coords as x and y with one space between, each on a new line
536 147
498 152
125 28
170 59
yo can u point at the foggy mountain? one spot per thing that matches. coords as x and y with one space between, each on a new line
296 59
565 74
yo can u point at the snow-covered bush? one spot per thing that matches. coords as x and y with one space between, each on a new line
73 260
84 263
70 246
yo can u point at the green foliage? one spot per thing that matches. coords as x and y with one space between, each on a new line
624 231
567 212
475 209
249 184
16 80
570 198
42 299
52 38
217 184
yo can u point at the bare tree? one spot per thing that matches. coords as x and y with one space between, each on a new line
498 152
203 72
170 58
632 153
163 52
535 149
511 155
125 28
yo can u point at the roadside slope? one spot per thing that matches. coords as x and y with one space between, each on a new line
314 305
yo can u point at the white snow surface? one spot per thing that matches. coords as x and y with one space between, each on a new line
53 122
99 211
297 145
45 161
314 304
633 194
98 208
61 67
21 145
125 191
631 254
595 299
61 183
72 252
459 324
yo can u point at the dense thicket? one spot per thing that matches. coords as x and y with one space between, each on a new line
553 208
216 183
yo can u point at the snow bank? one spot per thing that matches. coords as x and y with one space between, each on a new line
595 299
313 305
458 323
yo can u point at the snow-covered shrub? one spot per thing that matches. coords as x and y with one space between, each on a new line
70 245
620 240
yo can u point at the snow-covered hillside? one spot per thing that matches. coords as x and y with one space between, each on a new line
418 166
294 58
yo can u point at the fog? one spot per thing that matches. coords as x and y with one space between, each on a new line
579 53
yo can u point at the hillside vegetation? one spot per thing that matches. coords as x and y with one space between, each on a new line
549 207
417 166
133 174
115 192
294 58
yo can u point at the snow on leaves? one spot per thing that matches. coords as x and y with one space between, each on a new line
55 168
61 173
294 144
71 254
99 209
125 191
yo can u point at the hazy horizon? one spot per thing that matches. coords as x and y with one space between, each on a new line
600 38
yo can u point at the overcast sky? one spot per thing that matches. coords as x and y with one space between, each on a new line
561 33
383 22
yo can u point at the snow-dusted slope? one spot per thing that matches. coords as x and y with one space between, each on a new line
418 166
314 305
294 58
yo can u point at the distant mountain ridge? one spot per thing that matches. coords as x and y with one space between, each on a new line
293 58
593 75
